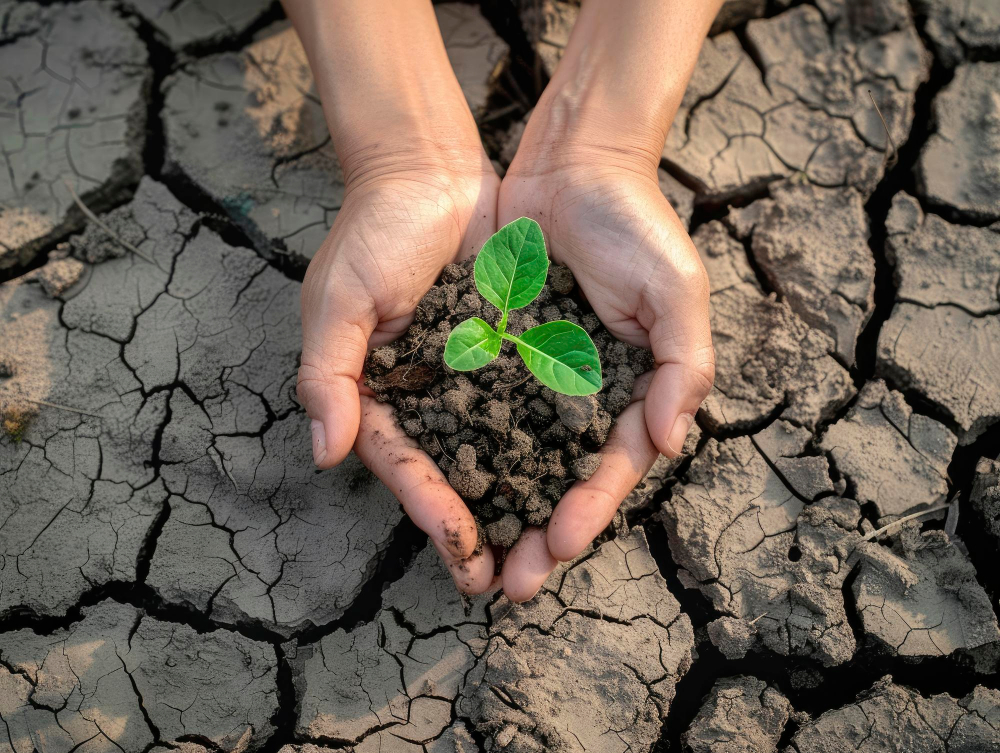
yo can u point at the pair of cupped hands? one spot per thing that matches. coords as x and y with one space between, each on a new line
409 213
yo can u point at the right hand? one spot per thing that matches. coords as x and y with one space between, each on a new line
393 236
605 218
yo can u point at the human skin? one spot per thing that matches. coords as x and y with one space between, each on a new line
421 193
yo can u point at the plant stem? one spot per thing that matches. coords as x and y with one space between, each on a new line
47 404
891 158
502 327
893 524
103 226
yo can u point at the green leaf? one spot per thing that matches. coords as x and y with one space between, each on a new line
472 344
511 268
563 357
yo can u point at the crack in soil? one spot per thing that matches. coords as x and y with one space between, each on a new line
839 686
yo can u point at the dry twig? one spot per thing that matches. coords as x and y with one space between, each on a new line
893 157
104 226
60 407
914 516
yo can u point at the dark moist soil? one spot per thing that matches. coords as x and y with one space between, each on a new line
509 446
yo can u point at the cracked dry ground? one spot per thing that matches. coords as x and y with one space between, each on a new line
174 575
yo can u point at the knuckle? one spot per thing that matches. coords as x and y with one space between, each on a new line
335 350
312 379
306 383
308 376
702 369
692 277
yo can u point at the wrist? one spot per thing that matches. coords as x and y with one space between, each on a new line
443 159
415 183
566 131
617 88
390 97
409 126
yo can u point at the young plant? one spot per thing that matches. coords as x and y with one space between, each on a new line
510 273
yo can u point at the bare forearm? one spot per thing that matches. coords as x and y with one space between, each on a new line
387 87
621 78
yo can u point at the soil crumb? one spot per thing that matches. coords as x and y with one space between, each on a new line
510 446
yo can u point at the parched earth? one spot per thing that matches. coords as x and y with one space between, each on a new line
817 573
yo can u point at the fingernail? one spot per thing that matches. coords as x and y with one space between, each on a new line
675 442
319 441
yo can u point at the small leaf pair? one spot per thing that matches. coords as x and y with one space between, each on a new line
510 273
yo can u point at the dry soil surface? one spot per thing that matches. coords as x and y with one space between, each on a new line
175 575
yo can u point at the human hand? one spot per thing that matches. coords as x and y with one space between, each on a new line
419 193
634 262
394 234
586 171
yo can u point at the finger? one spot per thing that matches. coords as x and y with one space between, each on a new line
415 479
473 575
588 506
338 317
675 395
527 565
681 338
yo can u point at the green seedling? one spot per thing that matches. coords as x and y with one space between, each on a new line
510 273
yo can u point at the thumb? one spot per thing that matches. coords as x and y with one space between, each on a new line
336 326
681 339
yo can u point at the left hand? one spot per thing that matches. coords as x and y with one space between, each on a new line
635 263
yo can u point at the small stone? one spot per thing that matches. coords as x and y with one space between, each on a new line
59 275
504 532
576 412
732 636
585 467
506 735
600 427
561 279
384 358
466 457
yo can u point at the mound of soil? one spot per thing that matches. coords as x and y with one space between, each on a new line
510 446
